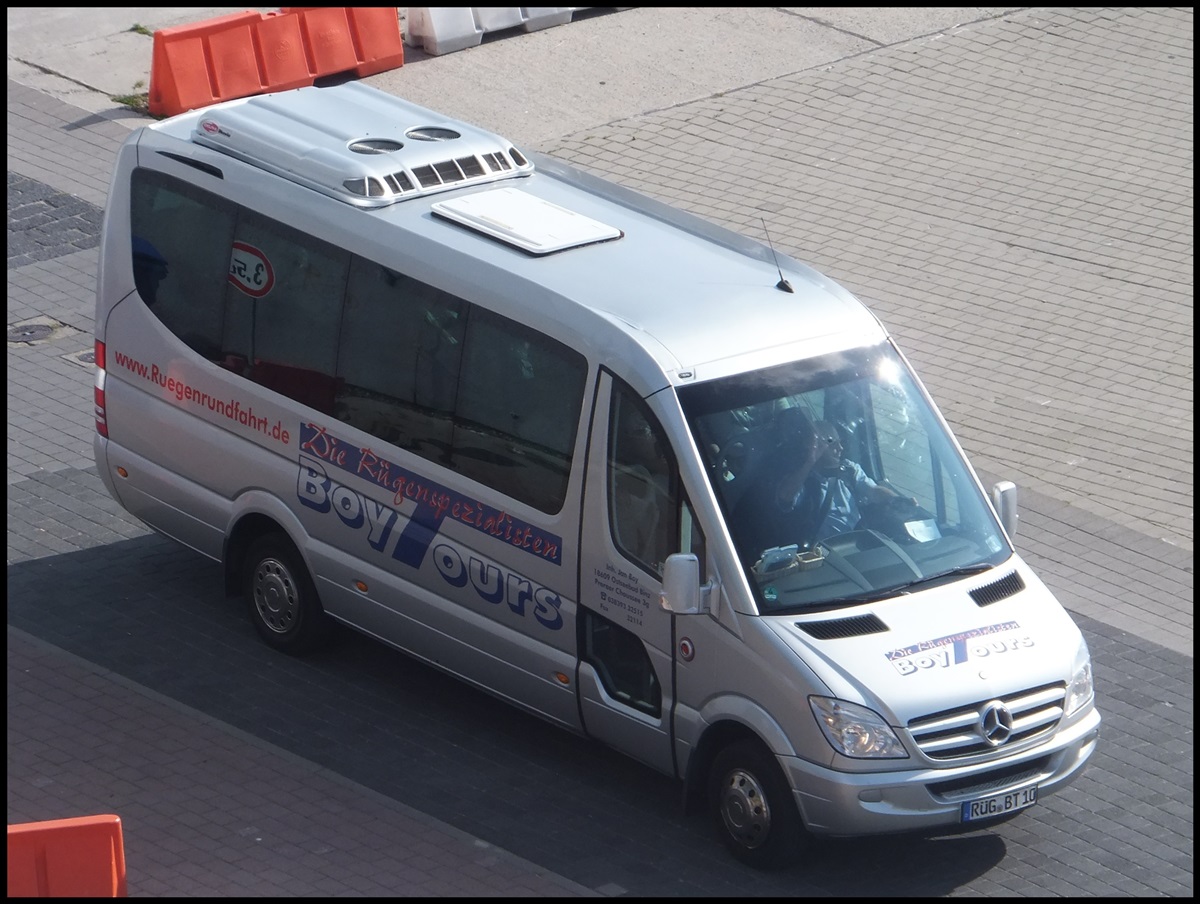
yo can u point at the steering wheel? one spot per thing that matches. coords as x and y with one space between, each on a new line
731 457
739 452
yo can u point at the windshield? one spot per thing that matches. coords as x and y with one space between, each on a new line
838 482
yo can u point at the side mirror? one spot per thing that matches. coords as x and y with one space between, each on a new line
681 584
1004 499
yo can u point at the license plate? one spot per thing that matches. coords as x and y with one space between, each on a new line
999 804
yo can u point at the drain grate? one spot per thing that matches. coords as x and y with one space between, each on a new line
39 330
85 358
30 332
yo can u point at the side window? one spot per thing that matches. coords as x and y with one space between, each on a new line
284 308
622 664
398 360
406 362
181 240
520 395
641 478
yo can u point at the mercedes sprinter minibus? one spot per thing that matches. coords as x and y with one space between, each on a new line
617 466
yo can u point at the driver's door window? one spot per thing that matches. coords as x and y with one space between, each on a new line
641 479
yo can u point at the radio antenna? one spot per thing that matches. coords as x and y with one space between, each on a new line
783 285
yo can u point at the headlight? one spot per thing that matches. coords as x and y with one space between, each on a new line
1081 691
854 730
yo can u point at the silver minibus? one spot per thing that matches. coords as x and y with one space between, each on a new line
621 468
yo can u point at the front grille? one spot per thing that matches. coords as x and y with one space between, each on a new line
956 733
990 782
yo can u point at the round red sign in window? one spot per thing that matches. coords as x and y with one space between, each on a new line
250 270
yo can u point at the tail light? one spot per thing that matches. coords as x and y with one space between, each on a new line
101 416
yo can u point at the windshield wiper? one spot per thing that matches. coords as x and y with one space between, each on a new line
859 598
899 590
871 596
957 572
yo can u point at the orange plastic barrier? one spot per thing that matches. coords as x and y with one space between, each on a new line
252 53
83 857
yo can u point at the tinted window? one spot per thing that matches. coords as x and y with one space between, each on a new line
519 396
640 477
283 305
399 359
406 362
181 241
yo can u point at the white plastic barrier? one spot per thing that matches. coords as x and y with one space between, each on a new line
445 29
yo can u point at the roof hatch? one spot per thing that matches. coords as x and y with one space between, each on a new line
524 221
358 144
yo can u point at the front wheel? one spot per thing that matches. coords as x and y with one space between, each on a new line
282 597
753 807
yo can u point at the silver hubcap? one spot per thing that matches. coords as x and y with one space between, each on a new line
275 596
744 809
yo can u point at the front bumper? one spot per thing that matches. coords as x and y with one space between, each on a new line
844 803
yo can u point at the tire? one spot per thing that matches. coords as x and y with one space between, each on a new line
753 807
282 597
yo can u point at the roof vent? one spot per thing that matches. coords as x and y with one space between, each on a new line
524 221
431 133
375 146
357 144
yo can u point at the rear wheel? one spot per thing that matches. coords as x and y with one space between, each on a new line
753 807
282 597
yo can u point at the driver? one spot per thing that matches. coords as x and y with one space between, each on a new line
843 484
804 491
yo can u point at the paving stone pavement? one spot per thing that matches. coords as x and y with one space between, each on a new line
1011 190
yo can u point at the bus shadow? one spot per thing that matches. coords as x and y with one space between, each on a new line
155 614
